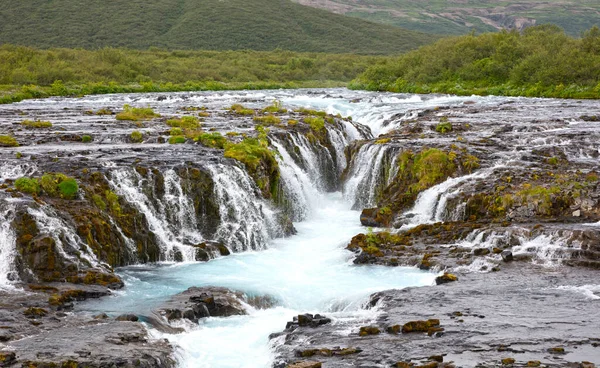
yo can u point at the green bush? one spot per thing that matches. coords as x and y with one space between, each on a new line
36 124
27 185
316 123
443 127
175 131
8 141
241 110
59 185
185 122
136 113
136 136
177 139
213 140
267 119
86 138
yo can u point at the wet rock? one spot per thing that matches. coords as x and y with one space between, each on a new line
420 326
101 316
307 320
127 317
305 364
369 330
508 361
201 302
481 252
507 255
7 359
376 217
445 278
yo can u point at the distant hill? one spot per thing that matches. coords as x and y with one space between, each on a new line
197 24
461 16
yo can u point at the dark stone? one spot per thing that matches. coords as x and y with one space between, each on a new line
507 256
127 317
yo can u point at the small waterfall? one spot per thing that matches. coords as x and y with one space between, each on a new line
339 143
366 176
7 246
311 160
14 171
547 249
246 220
430 206
299 188
171 234
68 243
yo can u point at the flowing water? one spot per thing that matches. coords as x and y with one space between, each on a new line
310 272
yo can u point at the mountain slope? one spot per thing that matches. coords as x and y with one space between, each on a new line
197 24
460 16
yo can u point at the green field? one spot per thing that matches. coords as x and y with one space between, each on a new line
197 25
27 73
460 17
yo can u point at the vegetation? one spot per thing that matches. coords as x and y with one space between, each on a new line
177 139
316 123
241 110
194 25
185 122
444 126
27 185
426 168
86 138
59 185
212 140
267 119
276 107
136 136
8 141
540 62
136 113
30 73
462 17
36 124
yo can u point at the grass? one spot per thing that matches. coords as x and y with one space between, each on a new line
136 136
36 124
267 120
59 185
212 140
136 113
184 122
27 185
241 110
86 138
250 152
177 139
316 123
193 25
8 141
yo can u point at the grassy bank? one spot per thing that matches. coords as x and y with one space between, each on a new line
540 62
32 73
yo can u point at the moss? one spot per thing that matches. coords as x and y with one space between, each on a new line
36 124
232 134
369 330
539 196
175 131
177 139
113 202
428 168
59 185
212 140
241 110
27 185
267 120
316 123
103 111
552 161
33 312
136 113
276 107
420 326
310 112
8 141
99 202
292 122
136 136
86 138
444 126
185 122
383 141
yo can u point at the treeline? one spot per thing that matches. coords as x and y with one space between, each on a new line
542 61
31 73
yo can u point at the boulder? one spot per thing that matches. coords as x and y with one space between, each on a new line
507 256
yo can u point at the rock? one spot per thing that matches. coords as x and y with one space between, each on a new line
534 363
196 303
33 312
445 278
507 256
508 361
305 364
307 320
101 316
481 251
7 358
369 330
557 350
420 326
577 213
376 217
127 317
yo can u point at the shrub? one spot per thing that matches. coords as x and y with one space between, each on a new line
185 122
27 185
275 107
8 141
444 126
241 110
59 185
136 136
175 131
250 152
267 119
213 140
316 123
136 113
177 139
36 124
86 138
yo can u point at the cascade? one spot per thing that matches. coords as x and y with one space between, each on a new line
7 245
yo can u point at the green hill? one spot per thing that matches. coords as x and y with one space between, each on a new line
462 16
197 24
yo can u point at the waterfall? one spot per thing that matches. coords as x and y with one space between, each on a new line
430 205
7 245
10 170
68 243
366 175
130 184
247 222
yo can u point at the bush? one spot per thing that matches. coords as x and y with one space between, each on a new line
177 139
8 141
443 127
176 131
241 110
59 185
86 138
213 140
316 123
36 124
136 136
27 185
136 113
185 122
267 119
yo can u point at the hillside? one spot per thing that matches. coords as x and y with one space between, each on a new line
197 24
460 16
